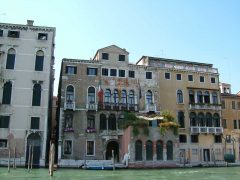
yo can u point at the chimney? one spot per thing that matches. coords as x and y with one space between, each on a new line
30 22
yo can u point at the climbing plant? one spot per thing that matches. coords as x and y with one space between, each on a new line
168 123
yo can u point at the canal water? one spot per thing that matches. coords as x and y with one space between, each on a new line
230 173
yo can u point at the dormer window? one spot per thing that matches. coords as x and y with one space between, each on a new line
121 57
42 36
105 56
13 34
1 32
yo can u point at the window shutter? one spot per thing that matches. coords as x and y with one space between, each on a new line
75 70
66 69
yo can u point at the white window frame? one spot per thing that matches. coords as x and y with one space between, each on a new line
64 146
93 147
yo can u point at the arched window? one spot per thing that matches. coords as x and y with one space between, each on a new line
191 97
215 98
216 120
91 95
131 99
193 119
39 61
120 120
149 97
124 97
7 93
112 122
206 97
10 59
201 119
115 96
138 150
36 97
107 96
169 150
149 150
68 120
159 150
179 96
70 94
199 97
90 122
103 122
181 120
209 119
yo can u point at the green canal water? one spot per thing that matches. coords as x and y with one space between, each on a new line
230 173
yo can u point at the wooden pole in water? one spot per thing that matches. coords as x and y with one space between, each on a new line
29 157
9 155
51 158
113 160
14 158
32 157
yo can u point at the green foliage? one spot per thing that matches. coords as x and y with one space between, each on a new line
168 123
130 119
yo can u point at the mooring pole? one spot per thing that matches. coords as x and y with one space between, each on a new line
14 158
29 157
113 159
32 157
9 156
51 158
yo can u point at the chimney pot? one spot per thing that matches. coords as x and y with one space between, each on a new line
30 22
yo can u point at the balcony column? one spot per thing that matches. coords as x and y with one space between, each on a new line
210 96
195 97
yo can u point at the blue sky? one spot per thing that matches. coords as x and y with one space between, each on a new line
196 30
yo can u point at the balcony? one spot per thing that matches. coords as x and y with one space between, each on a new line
201 106
117 106
92 106
206 130
70 105
151 107
90 130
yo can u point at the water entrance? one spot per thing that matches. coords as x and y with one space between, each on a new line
112 145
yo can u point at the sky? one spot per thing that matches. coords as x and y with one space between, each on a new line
205 31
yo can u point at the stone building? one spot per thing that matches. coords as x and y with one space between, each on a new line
230 120
27 58
94 94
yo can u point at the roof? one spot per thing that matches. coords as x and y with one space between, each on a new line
174 61
110 47
230 95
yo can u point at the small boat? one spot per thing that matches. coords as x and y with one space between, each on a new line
99 167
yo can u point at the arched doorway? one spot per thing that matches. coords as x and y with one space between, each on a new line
112 145
33 140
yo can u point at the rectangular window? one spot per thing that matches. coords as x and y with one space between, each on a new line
92 71
121 73
35 121
121 57
113 72
39 63
10 61
224 123
238 105
228 138
4 121
218 138
70 70
67 147
234 124
105 56
90 148
42 36
194 138
179 77
13 34
213 80
182 138
167 75
239 124
1 32
190 77
131 74
148 75
3 143
223 104
233 105
104 72
201 78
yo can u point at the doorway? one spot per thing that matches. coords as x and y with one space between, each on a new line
112 146
206 155
33 141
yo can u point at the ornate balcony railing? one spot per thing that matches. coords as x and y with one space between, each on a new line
92 106
69 105
206 130
199 106
151 107
117 106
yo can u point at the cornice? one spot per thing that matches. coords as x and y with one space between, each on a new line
25 27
